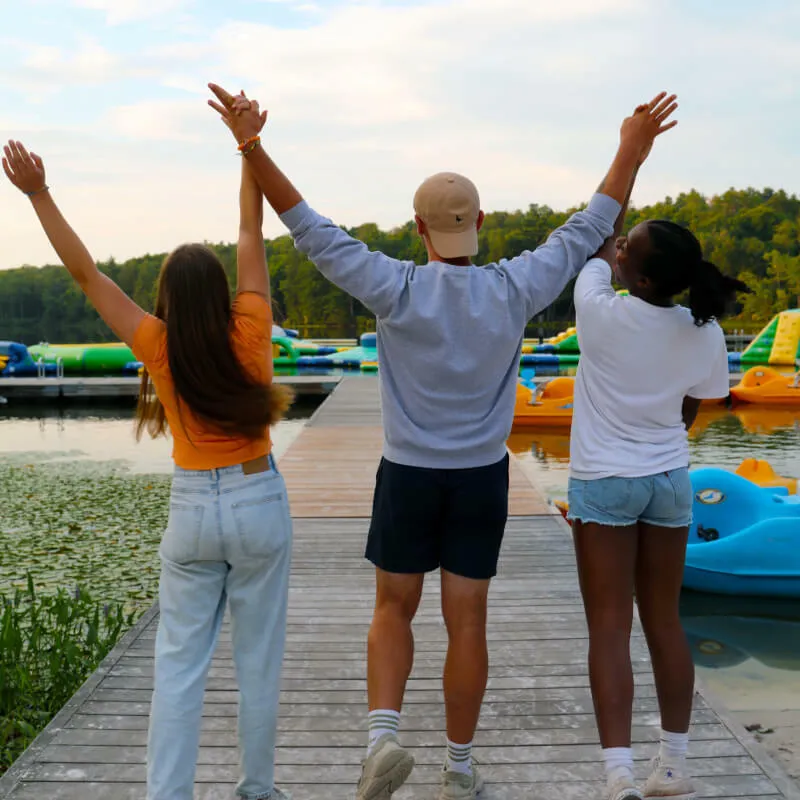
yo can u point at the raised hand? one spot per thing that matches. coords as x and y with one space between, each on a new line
240 114
25 170
648 121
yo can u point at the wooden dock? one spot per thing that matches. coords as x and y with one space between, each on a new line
86 388
537 736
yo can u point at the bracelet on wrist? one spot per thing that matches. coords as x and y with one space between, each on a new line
38 191
249 145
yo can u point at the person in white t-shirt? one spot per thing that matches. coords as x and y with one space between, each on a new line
646 364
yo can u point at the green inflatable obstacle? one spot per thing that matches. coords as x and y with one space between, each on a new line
284 352
87 359
778 343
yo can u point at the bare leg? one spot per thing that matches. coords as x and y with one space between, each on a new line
659 575
606 564
466 668
390 650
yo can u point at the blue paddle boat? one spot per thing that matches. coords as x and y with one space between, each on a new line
744 539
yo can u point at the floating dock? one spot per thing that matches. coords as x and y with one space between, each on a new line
105 388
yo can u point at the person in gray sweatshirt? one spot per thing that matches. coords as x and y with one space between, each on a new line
449 337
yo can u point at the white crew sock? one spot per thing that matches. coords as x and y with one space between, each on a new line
382 721
459 758
674 747
619 763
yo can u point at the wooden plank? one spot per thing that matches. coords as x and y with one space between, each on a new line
108 735
753 788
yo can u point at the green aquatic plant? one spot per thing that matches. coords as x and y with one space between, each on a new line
78 564
74 523
49 645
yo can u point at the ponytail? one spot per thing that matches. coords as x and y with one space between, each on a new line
711 292
675 263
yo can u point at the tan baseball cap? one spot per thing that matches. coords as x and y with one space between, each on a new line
449 206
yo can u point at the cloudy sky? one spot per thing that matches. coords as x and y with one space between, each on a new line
368 97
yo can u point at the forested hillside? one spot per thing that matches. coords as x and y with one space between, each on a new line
754 234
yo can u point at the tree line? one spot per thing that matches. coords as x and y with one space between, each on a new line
752 234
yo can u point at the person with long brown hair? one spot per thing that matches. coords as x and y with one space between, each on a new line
208 380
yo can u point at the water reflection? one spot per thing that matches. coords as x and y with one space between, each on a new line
727 631
720 437
104 432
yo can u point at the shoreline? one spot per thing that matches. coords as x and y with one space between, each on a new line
778 733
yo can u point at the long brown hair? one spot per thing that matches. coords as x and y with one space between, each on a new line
194 300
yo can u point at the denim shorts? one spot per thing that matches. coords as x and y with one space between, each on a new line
663 499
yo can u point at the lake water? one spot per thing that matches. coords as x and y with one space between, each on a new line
748 651
45 433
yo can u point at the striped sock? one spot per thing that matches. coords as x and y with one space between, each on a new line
459 758
382 721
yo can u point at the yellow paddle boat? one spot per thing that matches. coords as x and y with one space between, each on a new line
548 406
761 473
767 386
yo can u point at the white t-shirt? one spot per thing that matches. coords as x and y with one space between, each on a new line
638 362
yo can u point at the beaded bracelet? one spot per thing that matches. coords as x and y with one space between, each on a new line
249 145
37 191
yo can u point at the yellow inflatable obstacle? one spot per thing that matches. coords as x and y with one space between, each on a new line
766 386
778 343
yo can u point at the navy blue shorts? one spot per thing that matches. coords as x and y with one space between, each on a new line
424 519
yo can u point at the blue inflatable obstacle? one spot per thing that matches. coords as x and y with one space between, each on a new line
16 362
354 358
744 539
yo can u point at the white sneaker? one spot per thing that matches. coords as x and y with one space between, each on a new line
461 785
385 770
667 781
623 789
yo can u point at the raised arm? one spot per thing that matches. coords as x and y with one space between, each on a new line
661 108
26 171
251 258
541 275
373 278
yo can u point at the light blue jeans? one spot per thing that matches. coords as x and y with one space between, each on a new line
228 539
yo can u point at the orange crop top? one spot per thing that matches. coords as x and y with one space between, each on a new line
251 339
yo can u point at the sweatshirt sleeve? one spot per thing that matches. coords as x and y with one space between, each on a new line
541 275
371 277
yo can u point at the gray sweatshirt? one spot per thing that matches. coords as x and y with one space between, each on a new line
449 337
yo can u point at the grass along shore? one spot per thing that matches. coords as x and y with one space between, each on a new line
78 565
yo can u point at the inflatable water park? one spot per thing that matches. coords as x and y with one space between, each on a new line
777 345
289 351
